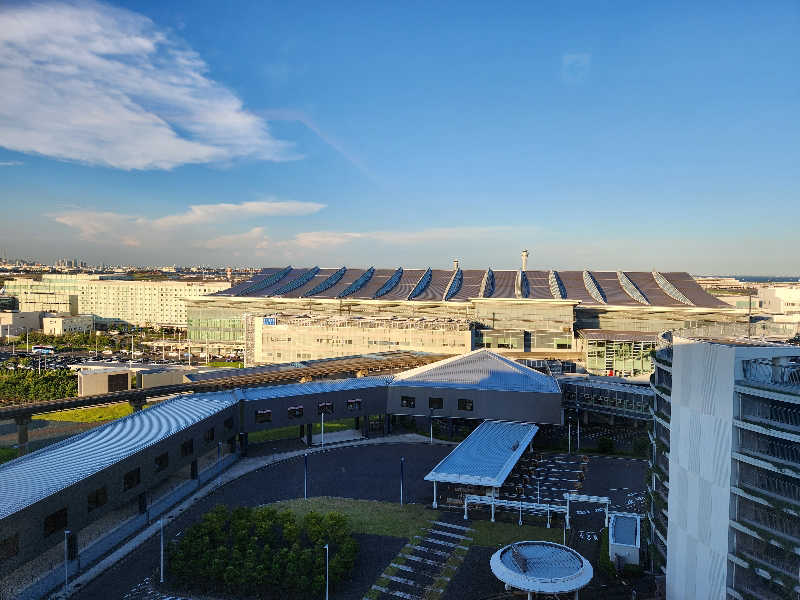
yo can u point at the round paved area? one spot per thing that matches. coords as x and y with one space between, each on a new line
365 472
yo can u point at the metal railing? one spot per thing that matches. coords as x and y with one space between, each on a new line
766 371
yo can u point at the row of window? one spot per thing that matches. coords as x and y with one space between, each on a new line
465 404
296 412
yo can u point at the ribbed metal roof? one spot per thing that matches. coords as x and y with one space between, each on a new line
33 477
487 455
549 568
315 387
479 369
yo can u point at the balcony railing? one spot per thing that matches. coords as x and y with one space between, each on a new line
768 484
768 521
769 448
782 415
773 373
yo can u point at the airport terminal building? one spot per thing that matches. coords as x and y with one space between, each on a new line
286 314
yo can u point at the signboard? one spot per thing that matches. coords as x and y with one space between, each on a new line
270 321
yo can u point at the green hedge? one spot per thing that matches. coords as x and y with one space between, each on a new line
604 561
263 553
25 385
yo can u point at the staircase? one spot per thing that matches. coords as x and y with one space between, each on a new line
424 567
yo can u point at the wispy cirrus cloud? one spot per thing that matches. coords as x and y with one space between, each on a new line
106 86
11 163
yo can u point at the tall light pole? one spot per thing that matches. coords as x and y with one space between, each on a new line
323 429
66 563
578 416
402 461
326 571
430 410
305 476
569 437
161 526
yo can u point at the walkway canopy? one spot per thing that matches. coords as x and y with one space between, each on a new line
486 456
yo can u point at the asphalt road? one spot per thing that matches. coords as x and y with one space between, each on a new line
367 472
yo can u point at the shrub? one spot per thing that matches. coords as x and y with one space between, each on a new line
605 445
260 552
604 561
641 446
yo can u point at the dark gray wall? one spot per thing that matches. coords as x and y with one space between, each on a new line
487 404
29 523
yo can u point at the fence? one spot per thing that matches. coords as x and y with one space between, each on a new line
99 548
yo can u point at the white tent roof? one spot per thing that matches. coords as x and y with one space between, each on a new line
479 369
487 455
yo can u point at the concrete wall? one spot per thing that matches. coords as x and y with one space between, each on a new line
486 404
28 524
17 322
96 381
155 378
61 324
701 432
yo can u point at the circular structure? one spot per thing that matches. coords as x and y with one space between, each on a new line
541 568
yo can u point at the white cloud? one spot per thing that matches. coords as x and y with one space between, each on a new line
247 241
11 163
214 213
105 86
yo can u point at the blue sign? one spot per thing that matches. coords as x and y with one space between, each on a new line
270 321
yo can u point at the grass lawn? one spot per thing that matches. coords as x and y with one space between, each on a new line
91 414
219 363
293 431
496 535
368 516
7 454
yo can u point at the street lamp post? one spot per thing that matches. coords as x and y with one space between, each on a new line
305 476
326 571
161 526
66 563
402 462
430 410
323 429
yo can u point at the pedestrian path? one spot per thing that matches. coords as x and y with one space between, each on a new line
425 566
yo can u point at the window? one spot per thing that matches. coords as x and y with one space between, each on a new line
131 479
55 522
9 547
325 408
97 498
354 404
408 401
295 412
464 404
263 416
229 423
208 436
435 403
118 383
187 448
162 462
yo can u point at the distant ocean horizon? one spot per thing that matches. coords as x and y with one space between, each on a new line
758 278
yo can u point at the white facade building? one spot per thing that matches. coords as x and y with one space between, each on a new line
780 300
725 488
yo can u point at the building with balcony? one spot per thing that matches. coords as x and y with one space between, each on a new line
724 483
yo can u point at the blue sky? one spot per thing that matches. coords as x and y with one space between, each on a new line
602 135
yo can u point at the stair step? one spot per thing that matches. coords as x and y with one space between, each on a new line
429 540
451 526
457 536
425 561
402 567
431 551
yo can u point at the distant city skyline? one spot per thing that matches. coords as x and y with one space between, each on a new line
626 137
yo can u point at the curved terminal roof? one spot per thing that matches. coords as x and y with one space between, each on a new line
35 476
541 567
480 369
487 455
590 288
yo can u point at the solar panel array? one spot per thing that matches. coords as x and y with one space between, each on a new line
590 288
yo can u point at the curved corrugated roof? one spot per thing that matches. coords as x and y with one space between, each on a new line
33 477
314 387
